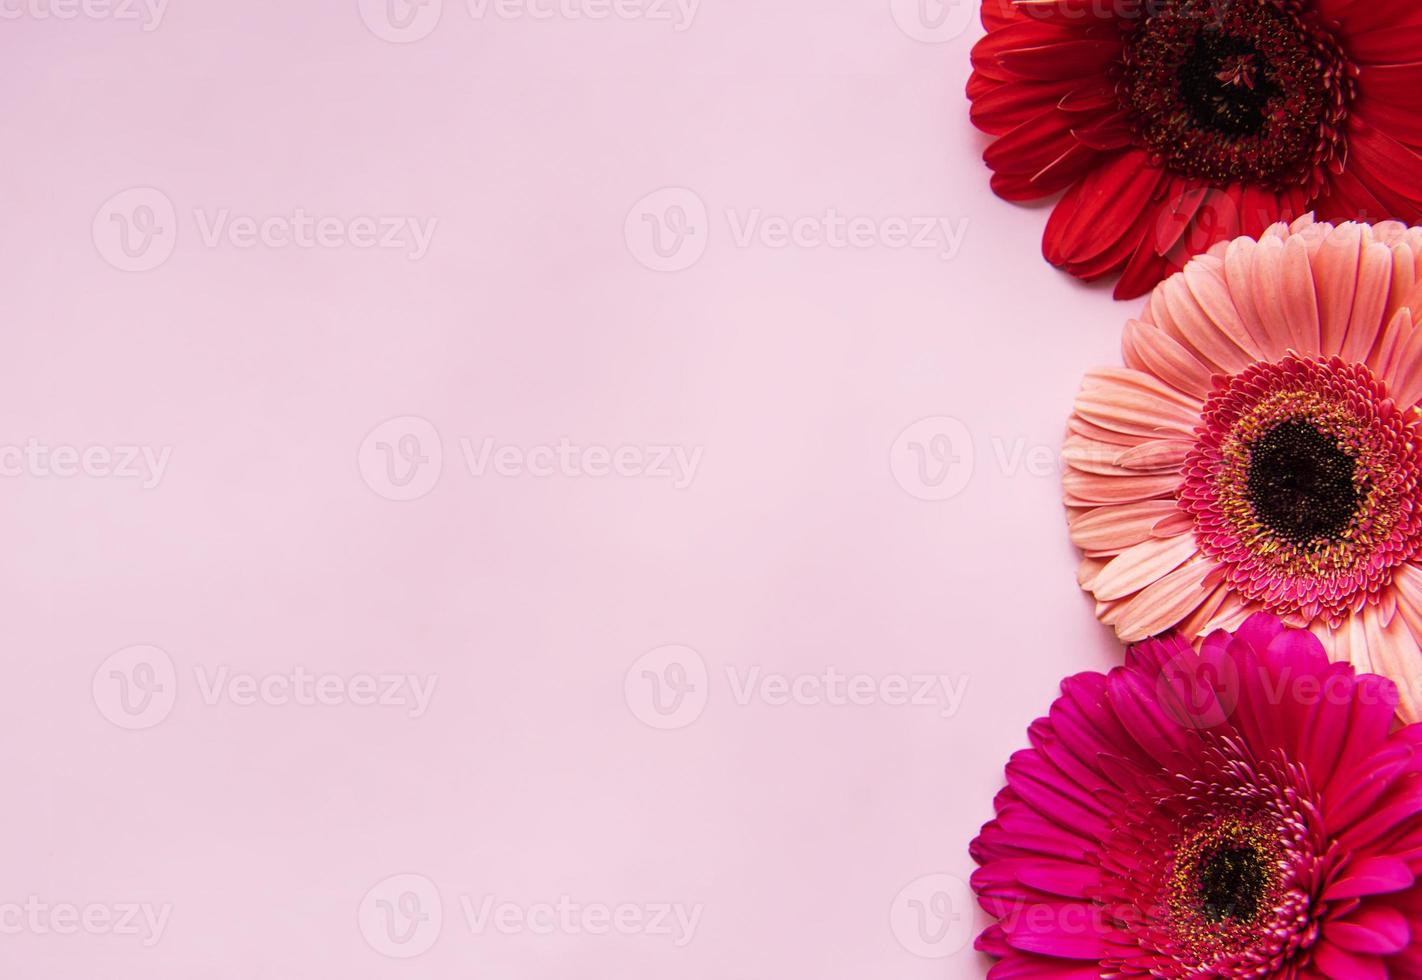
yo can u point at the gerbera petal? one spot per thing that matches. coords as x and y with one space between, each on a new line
1165 603
1376 930
1148 348
1142 565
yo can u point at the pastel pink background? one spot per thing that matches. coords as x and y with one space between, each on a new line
799 828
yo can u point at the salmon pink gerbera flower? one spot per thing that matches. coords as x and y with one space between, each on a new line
1246 811
1174 124
1260 450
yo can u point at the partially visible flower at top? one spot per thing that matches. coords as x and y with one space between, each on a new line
1261 449
1175 124
1246 811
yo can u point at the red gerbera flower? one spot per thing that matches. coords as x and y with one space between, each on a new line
1176 124
1246 811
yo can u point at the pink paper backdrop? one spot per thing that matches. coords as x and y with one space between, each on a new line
528 489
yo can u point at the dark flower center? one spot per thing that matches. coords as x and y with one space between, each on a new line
1233 880
1300 483
1225 84
1251 90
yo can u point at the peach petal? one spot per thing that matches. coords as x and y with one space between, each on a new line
1114 529
1198 331
1299 302
1090 489
1157 454
1205 279
1238 259
1365 320
1405 377
1148 348
1394 653
1164 604
1335 273
1142 565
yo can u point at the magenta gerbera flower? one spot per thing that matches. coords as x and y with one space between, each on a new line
1246 810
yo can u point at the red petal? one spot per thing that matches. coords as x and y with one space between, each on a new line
1070 59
